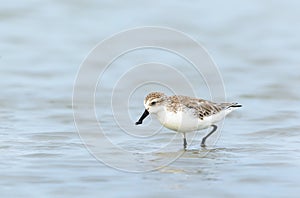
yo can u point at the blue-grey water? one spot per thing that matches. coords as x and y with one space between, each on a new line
256 45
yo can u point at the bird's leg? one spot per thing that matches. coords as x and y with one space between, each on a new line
204 139
184 142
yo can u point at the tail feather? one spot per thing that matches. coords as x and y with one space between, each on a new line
235 105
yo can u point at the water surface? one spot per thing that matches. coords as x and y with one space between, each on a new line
254 43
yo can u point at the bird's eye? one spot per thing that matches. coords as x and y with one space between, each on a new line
153 103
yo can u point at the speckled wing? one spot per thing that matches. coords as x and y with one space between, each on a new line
203 108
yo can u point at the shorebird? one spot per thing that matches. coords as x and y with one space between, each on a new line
186 114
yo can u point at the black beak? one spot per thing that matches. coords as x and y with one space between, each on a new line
145 114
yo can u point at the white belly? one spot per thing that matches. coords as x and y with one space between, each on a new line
181 121
187 122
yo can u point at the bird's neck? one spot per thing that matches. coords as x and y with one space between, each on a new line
161 116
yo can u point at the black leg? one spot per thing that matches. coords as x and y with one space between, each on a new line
204 139
184 142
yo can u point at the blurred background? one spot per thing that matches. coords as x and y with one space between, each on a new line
256 45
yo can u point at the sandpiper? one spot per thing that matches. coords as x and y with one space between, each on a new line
185 114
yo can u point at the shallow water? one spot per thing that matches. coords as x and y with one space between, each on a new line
256 47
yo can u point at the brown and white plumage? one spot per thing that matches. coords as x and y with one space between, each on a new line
185 114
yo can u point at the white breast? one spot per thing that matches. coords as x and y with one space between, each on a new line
179 121
185 121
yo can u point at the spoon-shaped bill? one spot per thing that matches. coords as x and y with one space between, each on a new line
145 114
